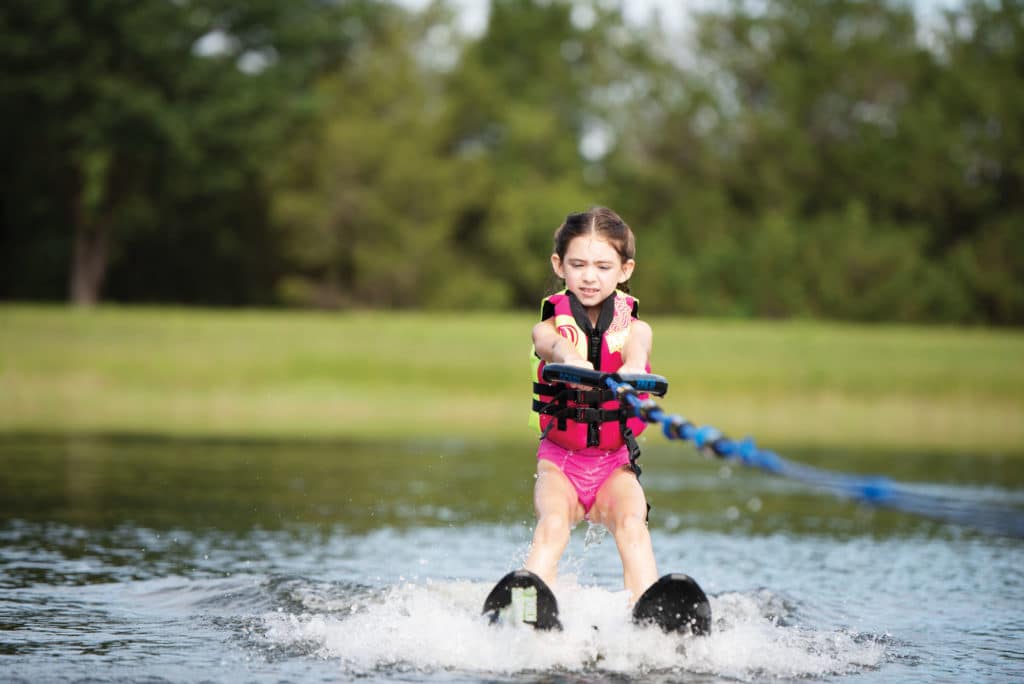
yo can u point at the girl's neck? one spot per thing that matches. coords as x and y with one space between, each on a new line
593 312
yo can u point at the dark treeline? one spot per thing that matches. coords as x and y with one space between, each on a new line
836 158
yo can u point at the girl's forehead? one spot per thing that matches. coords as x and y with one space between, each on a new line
591 247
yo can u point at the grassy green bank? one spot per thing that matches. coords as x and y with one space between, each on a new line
255 374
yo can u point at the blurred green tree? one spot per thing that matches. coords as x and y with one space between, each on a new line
840 158
980 212
364 199
533 107
137 133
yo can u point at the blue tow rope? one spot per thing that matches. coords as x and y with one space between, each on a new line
874 490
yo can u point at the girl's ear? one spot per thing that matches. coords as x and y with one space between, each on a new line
627 270
556 266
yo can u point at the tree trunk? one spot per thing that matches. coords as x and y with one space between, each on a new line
92 208
88 264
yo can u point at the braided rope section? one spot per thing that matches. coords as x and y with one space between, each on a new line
873 490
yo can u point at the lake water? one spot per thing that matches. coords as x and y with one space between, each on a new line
148 560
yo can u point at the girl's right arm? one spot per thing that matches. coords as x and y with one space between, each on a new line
553 348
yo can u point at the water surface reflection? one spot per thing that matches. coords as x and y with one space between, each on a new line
283 561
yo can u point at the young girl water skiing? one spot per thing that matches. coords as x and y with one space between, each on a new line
584 465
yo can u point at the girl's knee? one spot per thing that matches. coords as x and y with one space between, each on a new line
552 528
631 527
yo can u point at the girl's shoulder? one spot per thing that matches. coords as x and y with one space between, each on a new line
624 300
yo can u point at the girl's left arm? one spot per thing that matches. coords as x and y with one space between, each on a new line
636 353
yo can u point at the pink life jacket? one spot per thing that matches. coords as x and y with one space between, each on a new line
575 419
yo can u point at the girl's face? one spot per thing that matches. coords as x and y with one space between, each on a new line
592 269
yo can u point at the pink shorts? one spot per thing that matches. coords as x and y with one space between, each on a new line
587 469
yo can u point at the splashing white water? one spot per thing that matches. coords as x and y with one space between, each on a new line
436 626
595 535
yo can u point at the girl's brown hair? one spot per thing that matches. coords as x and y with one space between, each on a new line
602 222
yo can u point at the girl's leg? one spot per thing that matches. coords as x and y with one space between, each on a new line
558 510
622 507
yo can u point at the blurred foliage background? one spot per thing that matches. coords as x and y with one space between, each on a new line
847 159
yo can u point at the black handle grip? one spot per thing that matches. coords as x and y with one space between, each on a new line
575 375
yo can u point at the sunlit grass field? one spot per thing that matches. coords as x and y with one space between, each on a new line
372 375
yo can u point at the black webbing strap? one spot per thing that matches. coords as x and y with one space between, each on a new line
634 456
561 401
633 447
592 397
580 414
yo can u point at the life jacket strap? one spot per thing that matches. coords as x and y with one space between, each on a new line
634 449
634 455
580 414
586 408
591 397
